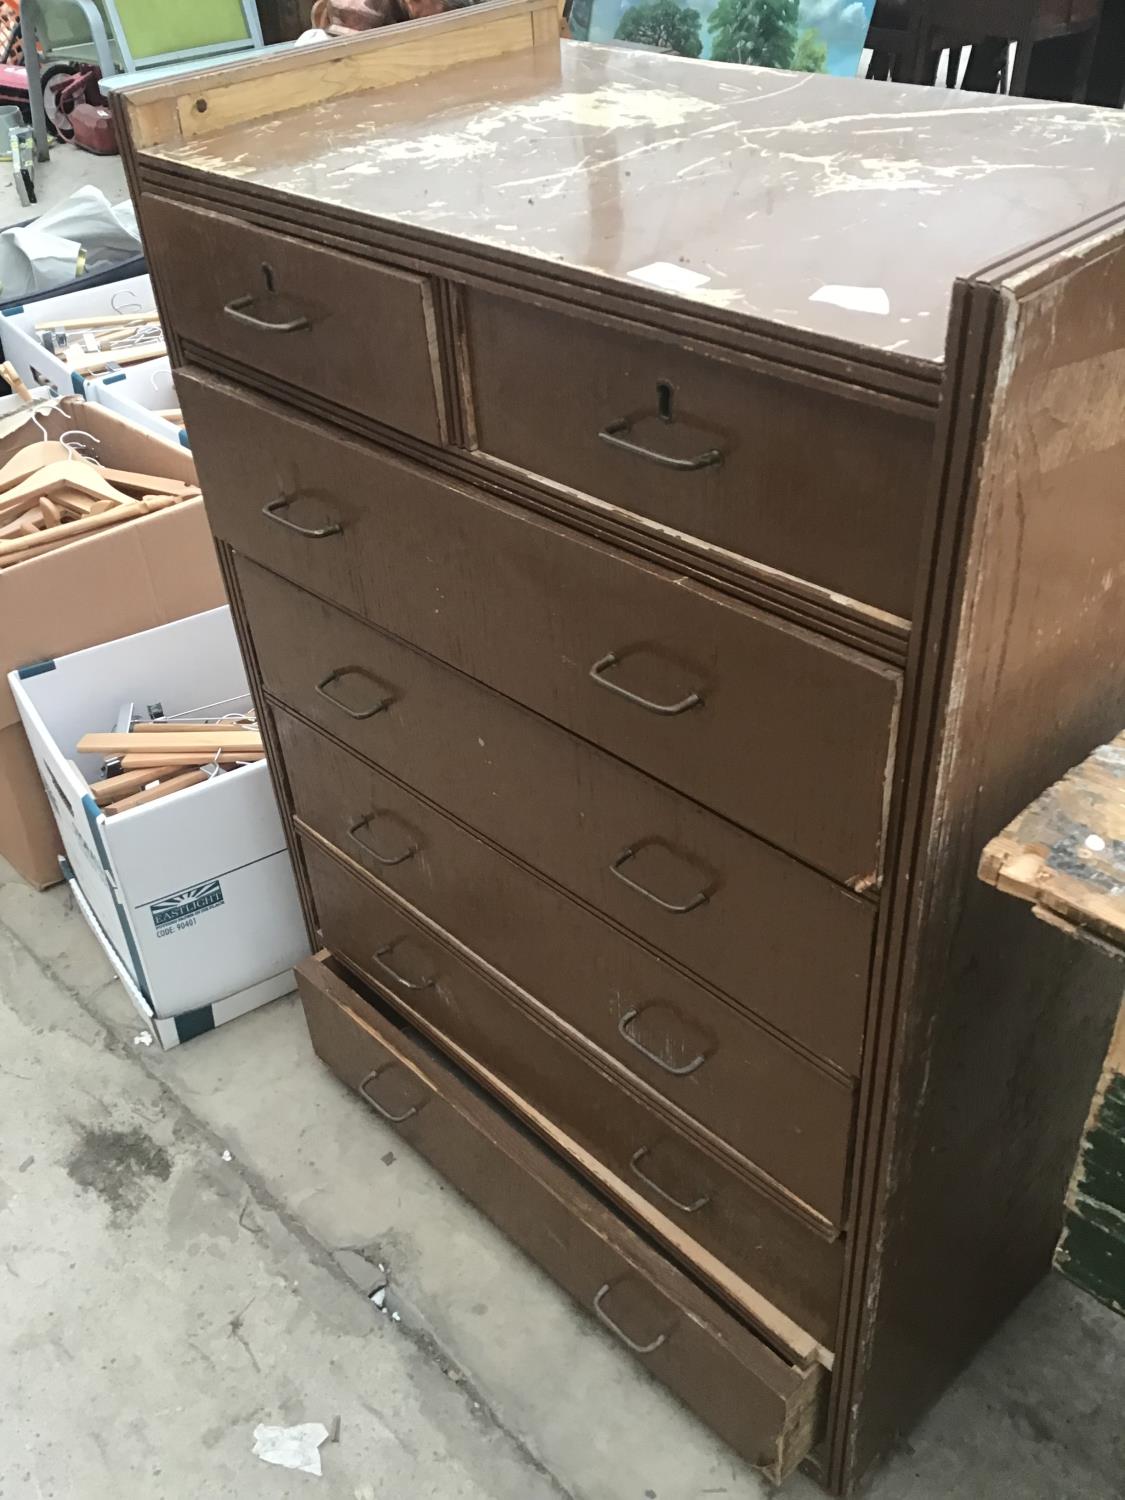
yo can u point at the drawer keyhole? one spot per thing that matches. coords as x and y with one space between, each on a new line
664 393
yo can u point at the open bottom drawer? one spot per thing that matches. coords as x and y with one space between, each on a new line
769 1407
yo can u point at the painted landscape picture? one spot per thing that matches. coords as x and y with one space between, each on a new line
808 36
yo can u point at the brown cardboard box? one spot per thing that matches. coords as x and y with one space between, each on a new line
116 582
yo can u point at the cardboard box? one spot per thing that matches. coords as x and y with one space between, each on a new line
171 1031
24 346
192 895
109 584
139 394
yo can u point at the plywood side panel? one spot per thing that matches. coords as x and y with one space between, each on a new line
1000 1024
185 109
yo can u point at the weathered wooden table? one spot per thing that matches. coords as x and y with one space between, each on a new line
1066 855
1066 852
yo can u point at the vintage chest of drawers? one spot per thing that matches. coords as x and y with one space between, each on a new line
664 556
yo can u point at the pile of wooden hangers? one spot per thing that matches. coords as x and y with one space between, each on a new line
156 757
50 495
89 346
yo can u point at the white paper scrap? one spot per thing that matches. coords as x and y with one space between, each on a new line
291 1447
670 278
868 299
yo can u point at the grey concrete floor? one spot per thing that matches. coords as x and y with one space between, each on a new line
56 179
158 1300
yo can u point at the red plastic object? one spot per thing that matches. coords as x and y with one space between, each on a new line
78 111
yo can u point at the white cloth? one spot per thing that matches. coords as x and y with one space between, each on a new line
86 233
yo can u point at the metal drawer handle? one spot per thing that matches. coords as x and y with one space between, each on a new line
275 511
685 1208
603 1317
352 713
617 868
623 1028
373 1077
237 311
379 959
611 660
369 848
612 434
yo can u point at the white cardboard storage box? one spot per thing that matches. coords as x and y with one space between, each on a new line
24 347
192 896
140 393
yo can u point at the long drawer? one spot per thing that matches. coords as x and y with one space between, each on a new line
788 735
769 1407
757 1235
782 941
781 1112
360 334
800 479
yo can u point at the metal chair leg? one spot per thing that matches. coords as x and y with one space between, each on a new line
99 36
32 31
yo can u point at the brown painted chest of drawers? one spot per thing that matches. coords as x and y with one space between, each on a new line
662 562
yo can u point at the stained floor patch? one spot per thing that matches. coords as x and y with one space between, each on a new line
118 1165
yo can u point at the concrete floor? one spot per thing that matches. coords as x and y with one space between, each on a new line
56 179
158 1300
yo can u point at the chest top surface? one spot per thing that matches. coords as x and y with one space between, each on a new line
840 209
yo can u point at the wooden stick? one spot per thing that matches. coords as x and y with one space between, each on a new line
80 504
224 758
154 793
147 484
110 320
188 743
46 541
188 726
113 788
94 364
16 551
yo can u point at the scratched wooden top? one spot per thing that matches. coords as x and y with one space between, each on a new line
1066 852
834 206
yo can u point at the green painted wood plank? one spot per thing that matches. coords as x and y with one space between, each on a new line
1093 1256
1092 1249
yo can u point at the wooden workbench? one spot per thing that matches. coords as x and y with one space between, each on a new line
1066 852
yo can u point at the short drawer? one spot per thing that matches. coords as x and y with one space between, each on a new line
784 942
797 478
781 1112
358 334
795 1264
786 734
768 1405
